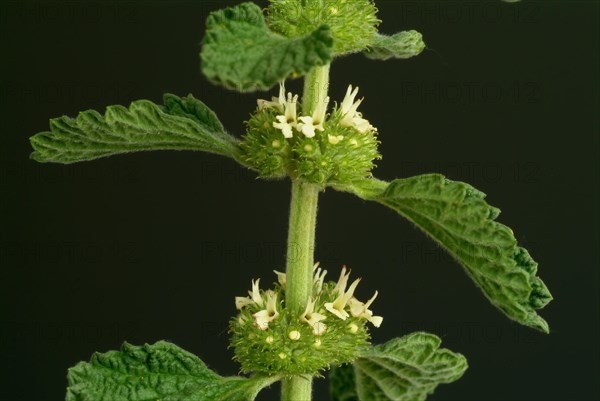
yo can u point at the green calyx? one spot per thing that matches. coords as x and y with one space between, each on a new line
336 147
270 339
353 23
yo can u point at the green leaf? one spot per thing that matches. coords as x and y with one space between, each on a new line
342 383
241 53
181 124
402 45
456 215
161 371
403 369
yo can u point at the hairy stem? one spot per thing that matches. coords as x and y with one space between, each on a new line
296 388
301 237
316 86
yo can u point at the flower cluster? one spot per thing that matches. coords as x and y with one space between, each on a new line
331 329
319 147
289 120
353 23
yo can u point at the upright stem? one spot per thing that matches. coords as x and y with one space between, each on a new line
301 236
316 86
301 242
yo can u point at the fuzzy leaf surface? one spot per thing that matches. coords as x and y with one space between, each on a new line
181 124
401 45
403 369
342 383
240 51
161 371
456 216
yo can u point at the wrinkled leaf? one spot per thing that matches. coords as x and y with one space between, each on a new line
161 371
342 383
456 215
181 124
403 369
241 53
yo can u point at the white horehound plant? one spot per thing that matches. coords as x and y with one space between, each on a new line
304 325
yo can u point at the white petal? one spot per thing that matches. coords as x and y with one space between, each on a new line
320 112
349 117
272 304
306 127
342 314
317 317
361 125
370 301
357 308
376 320
287 131
256 297
308 131
285 128
290 108
350 291
273 104
319 278
348 100
240 302
282 93
281 278
340 286
262 319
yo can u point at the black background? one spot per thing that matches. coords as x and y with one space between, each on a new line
156 245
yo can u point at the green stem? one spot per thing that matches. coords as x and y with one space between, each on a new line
316 86
301 242
301 237
296 388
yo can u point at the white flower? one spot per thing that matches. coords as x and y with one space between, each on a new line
348 101
361 125
287 121
319 277
337 306
276 102
263 317
308 125
254 297
342 282
255 294
358 309
310 316
350 116
284 126
281 278
318 117
240 302
375 320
